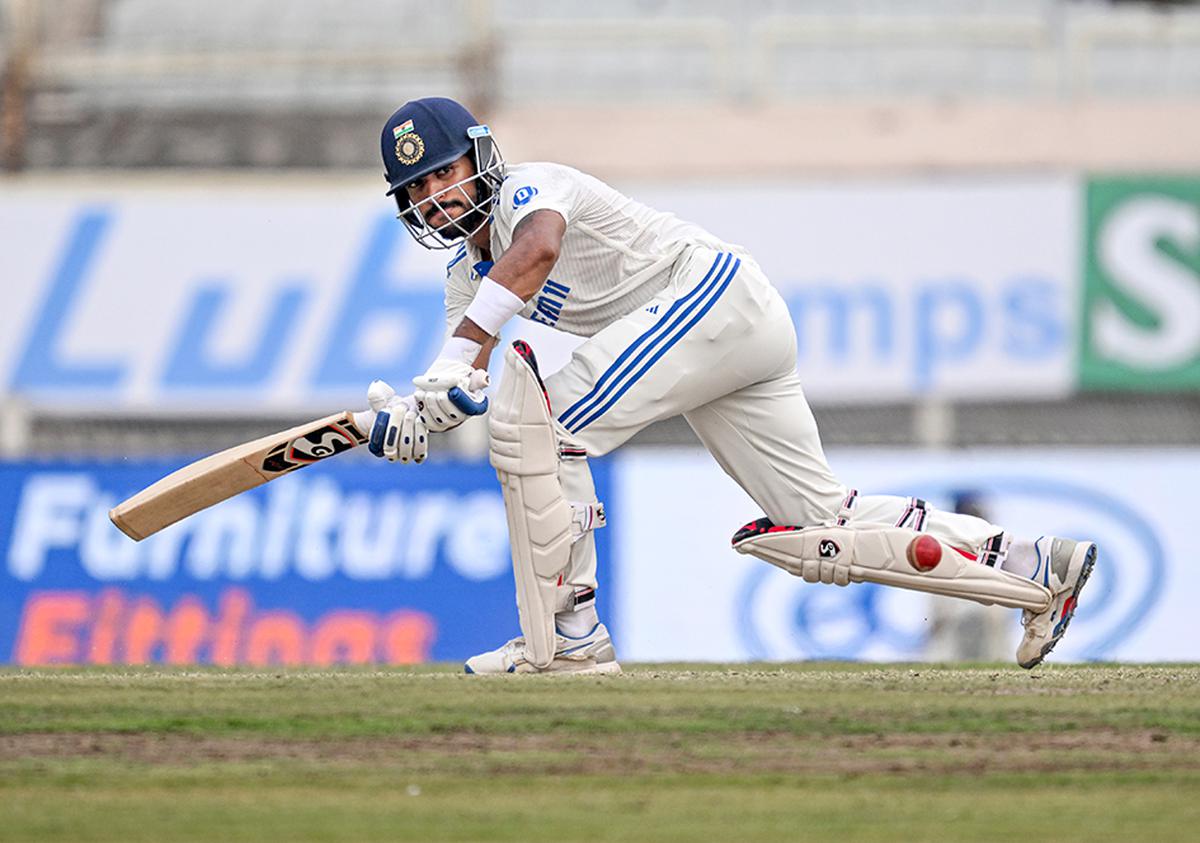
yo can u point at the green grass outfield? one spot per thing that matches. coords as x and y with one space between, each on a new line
662 753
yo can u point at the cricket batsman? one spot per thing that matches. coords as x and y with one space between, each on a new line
676 321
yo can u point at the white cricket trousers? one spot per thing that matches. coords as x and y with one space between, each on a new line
718 346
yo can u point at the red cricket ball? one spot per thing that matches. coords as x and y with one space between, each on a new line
924 553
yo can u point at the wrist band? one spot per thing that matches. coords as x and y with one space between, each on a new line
492 306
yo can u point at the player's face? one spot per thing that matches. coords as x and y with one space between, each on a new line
441 197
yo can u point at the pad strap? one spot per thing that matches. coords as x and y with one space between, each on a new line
576 599
914 515
995 550
571 451
847 510
586 517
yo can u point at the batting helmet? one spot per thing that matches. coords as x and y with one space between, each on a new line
424 136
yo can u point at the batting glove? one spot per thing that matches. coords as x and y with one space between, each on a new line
398 433
450 393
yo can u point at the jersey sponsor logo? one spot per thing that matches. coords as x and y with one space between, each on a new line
549 303
523 195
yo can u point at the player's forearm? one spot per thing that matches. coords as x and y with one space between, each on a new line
501 298
485 353
523 269
513 280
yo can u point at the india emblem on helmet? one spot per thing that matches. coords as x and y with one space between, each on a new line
409 149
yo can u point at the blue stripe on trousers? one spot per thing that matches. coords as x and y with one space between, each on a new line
720 288
663 325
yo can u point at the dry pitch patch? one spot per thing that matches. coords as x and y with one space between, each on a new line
669 752
843 719
755 753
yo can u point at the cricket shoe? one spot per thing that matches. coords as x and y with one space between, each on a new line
591 653
1063 567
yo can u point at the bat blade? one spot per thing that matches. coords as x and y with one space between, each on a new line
215 478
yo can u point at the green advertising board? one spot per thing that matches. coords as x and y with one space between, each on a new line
1141 307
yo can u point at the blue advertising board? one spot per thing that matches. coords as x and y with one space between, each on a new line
352 561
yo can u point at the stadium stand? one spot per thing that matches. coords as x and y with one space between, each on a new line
920 86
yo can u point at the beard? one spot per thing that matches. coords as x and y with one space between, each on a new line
460 226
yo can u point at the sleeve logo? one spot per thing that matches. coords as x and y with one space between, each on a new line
523 195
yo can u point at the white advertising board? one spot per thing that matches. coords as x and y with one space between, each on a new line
957 288
684 594
207 299
270 295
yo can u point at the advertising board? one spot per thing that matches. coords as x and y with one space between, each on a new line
359 562
961 288
347 562
227 296
1141 327
1137 606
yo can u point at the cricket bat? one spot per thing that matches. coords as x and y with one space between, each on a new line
213 479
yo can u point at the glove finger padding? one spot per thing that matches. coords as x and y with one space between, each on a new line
420 439
413 440
469 403
399 434
376 444
404 441
438 412
382 400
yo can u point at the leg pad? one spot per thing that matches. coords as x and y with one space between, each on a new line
886 555
524 452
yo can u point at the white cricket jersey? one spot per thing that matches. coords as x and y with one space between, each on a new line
616 253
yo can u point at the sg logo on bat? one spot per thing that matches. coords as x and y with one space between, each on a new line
314 445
